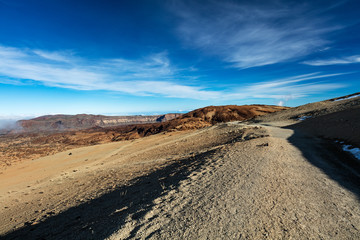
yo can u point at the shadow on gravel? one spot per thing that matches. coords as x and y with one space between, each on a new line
328 157
99 218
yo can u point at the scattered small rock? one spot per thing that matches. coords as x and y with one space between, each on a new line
70 153
50 213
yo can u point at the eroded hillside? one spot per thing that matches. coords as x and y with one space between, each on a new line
27 146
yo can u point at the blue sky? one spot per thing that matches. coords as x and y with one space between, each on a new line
149 56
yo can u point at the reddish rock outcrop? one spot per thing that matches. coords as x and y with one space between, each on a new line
33 144
199 118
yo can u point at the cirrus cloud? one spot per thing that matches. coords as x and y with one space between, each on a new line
151 76
334 61
250 35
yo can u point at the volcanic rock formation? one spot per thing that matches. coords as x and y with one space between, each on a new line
56 123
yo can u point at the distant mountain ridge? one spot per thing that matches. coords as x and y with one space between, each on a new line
39 141
60 122
198 118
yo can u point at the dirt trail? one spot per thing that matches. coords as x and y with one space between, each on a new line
229 181
258 189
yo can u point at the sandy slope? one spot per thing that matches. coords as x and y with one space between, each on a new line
31 192
229 181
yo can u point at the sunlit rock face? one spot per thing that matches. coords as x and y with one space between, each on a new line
84 121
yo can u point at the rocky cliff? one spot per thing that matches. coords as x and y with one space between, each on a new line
56 123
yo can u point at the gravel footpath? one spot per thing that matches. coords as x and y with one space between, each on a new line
262 188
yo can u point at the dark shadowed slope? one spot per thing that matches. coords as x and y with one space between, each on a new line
337 119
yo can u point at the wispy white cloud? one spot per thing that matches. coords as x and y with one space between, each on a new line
249 35
334 61
153 75
288 88
281 103
55 56
291 83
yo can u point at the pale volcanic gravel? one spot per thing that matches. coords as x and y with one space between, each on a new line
32 191
262 188
229 181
